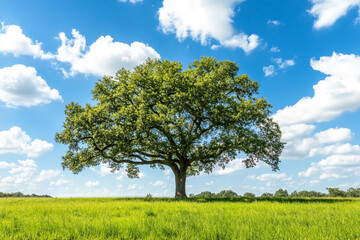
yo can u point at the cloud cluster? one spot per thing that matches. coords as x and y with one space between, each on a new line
334 167
280 64
205 20
17 141
21 86
25 175
339 92
328 12
103 57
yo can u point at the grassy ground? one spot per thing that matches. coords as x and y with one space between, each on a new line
110 218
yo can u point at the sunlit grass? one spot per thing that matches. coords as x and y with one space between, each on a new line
110 218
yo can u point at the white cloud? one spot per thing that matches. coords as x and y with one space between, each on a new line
45 175
130 1
274 22
280 63
20 86
60 182
17 141
296 131
328 12
103 57
334 167
269 70
283 63
274 49
336 94
92 184
271 176
334 135
301 144
204 20
13 41
25 175
233 166
243 41
158 183
7 165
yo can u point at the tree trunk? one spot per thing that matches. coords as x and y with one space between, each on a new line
180 182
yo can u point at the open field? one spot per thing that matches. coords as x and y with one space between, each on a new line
113 218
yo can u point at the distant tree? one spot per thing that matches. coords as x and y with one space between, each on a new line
281 193
353 192
335 192
226 194
267 194
205 194
305 193
161 115
294 194
249 195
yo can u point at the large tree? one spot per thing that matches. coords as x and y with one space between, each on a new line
161 115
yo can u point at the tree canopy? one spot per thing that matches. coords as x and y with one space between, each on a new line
160 115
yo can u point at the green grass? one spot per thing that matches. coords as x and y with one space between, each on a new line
111 218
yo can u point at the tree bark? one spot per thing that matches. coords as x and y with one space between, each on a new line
180 182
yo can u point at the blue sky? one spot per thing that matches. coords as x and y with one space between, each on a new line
305 55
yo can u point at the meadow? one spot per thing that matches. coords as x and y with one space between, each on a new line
121 218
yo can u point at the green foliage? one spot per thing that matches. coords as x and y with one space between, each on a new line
110 218
335 192
226 194
281 193
159 114
249 195
353 192
267 194
21 195
205 194
305 193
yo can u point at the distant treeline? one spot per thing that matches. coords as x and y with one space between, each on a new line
332 192
20 194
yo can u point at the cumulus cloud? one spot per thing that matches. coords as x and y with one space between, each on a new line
328 12
21 86
302 143
17 141
205 20
243 41
334 167
13 41
336 94
103 57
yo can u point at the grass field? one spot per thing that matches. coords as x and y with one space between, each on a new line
111 218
